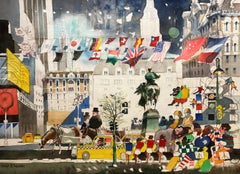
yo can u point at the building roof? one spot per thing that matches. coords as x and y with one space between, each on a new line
158 67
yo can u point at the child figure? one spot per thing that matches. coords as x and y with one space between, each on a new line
161 149
150 144
139 146
129 147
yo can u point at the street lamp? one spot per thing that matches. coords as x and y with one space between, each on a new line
218 71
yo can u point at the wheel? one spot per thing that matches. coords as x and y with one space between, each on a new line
85 155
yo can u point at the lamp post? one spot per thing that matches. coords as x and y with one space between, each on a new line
218 71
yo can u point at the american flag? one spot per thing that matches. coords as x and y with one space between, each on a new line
160 51
133 55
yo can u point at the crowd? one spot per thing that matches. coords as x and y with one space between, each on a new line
192 145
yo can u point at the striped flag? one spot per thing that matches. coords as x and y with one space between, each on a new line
113 56
160 51
96 43
138 42
212 49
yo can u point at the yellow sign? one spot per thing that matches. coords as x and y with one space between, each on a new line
17 72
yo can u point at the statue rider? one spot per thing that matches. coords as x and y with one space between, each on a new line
151 76
148 90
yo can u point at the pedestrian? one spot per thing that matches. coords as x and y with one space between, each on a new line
138 147
129 147
150 145
161 147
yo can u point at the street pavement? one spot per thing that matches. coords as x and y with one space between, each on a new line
21 158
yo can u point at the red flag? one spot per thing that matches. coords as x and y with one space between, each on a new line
191 48
95 55
122 41
109 40
154 41
138 42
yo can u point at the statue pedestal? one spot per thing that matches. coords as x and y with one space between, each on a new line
150 123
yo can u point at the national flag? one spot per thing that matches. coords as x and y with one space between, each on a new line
74 44
133 56
96 43
109 40
160 51
58 56
123 41
17 72
113 56
76 54
47 45
214 46
95 55
138 42
154 41
190 49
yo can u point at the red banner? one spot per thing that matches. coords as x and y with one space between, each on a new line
8 101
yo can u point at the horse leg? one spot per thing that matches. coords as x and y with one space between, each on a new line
60 148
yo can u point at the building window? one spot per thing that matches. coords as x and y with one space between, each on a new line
118 71
235 47
235 58
105 72
227 59
56 83
169 69
234 70
227 47
226 26
236 26
226 70
117 82
130 72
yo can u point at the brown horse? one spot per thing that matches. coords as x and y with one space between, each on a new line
73 135
60 135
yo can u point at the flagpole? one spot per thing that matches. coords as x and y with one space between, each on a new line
5 127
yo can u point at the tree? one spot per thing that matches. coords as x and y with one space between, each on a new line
112 110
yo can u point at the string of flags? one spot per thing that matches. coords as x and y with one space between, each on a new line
203 49
130 55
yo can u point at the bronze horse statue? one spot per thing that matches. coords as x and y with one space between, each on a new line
59 135
149 90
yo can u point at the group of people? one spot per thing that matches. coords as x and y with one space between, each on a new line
203 149
147 146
